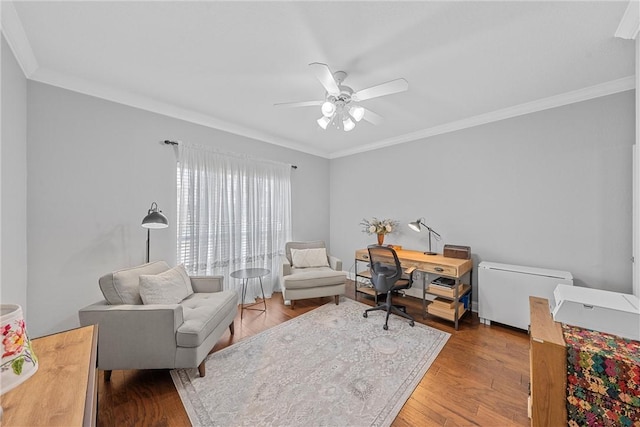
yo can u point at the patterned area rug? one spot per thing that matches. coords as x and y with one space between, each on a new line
327 367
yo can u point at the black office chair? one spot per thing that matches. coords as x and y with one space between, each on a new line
386 276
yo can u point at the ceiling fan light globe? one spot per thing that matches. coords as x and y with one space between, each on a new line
323 122
357 112
348 124
328 109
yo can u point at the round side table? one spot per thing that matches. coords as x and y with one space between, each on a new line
250 273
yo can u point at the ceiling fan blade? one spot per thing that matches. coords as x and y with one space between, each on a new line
394 86
325 76
372 117
298 104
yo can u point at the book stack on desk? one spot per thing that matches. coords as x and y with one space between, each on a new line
446 287
443 283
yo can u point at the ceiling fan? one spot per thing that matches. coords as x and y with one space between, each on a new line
341 104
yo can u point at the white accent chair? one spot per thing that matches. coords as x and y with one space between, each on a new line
320 279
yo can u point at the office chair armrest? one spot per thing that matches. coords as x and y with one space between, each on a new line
410 270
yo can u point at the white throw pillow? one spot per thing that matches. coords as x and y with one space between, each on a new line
303 258
169 287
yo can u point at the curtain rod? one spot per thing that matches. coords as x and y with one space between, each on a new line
169 142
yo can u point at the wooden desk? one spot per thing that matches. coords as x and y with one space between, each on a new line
431 264
63 392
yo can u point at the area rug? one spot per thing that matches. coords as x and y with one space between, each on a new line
327 367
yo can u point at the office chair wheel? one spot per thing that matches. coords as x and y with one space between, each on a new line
412 323
385 327
365 315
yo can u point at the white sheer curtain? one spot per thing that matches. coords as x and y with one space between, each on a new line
234 212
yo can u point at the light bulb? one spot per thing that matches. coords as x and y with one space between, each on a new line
357 112
348 124
323 122
328 109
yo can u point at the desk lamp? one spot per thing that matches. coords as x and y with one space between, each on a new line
154 219
415 226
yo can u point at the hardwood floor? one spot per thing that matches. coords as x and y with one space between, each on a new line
480 377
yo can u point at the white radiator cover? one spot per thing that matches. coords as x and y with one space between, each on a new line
504 291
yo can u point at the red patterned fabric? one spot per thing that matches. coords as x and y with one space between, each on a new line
603 379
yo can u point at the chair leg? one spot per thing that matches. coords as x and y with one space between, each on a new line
201 369
232 328
378 307
401 313
386 320
107 375
389 308
292 304
337 297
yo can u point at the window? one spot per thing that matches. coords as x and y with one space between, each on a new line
233 212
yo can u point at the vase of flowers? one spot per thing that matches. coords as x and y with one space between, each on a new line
379 227
18 360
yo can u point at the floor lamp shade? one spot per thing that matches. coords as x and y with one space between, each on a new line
154 219
18 360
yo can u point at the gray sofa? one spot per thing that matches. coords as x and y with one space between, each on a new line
313 281
133 335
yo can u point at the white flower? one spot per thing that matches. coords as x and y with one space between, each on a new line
377 226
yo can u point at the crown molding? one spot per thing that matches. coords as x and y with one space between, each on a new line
149 104
17 38
630 22
596 91
131 99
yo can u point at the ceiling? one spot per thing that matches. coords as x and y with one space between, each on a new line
224 64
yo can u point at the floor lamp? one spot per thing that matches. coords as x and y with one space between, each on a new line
154 219
415 226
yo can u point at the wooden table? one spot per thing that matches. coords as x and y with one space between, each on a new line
63 392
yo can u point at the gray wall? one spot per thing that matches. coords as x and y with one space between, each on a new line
13 155
94 168
550 189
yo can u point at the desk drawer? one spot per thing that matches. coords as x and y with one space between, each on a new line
449 267
442 270
362 255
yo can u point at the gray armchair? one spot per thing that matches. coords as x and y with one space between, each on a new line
132 335
306 275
